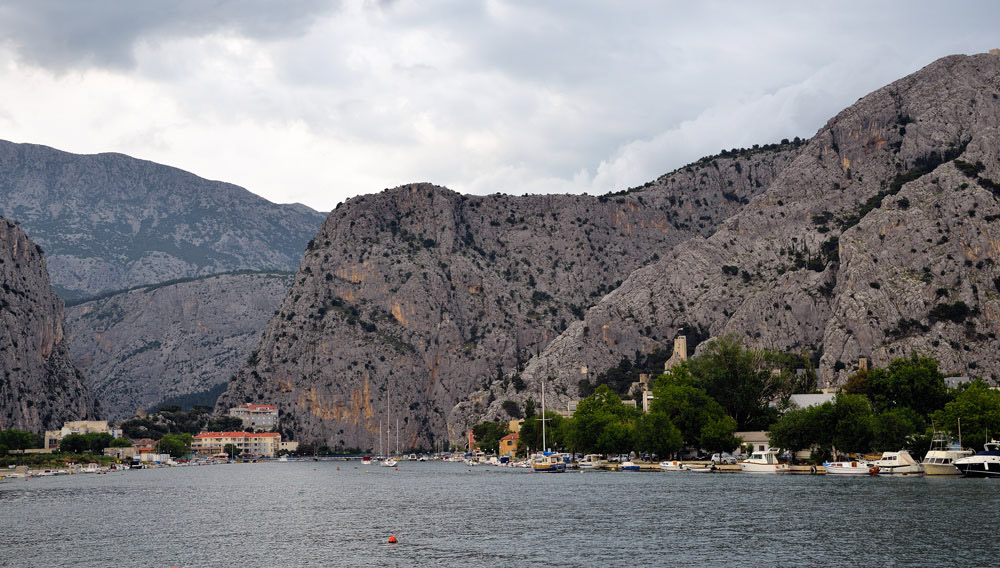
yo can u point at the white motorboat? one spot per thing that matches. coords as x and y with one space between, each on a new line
628 466
388 462
941 457
673 466
984 464
591 461
763 462
283 459
897 464
853 467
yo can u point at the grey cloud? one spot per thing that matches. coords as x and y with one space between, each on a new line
59 35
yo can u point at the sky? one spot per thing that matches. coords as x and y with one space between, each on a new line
314 102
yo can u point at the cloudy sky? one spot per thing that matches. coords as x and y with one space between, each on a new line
315 102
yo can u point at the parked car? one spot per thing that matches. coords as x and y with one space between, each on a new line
723 458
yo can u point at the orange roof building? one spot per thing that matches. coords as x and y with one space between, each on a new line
264 444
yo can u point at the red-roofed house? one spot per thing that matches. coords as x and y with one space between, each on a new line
256 416
248 443
508 444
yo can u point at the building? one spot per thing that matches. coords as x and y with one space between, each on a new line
256 416
265 444
680 353
53 437
758 441
508 444
290 446
515 425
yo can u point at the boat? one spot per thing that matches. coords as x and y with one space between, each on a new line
367 460
673 466
940 459
591 461
629 466
283 459
548 462
763 462
897 464
853 467
984 464
388 461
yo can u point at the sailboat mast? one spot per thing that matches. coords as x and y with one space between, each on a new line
387 423
397 436
544 445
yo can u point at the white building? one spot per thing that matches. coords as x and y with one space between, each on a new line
265 444
53 437
256 416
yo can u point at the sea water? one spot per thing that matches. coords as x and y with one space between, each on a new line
340 513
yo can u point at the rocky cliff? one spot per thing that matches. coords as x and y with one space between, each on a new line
423 296
111 222
140 347
39 387
879 240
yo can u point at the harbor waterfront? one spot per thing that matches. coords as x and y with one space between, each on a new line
340 513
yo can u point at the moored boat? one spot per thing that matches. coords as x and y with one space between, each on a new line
591 461
629 466
984 464
548 463
940 459
673 466
853 467
897 464
763 462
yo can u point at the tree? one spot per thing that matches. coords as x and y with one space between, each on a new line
488 435
120 443
17 440
530 435
717 435
96 442
854 430
802 428
74 444
978 408
685 405
232 450
512 409
913 382
656 434
739 380
896 428
602 424
177 445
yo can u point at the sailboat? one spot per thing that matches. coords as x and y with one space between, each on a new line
388 461
546 461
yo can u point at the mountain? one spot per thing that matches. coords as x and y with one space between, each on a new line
111 222
423 296
879 240
39 387
140 347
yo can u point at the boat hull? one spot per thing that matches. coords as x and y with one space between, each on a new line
847 468
940 469
764 468
980 469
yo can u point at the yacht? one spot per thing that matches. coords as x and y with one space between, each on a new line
763 462
853 467
984 464
941 457
899 463
548 463
673 466
591 461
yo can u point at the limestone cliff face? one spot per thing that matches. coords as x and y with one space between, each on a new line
111 222
879 240
140 347
424 296
39 387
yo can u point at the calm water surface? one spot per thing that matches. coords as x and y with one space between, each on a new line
312 514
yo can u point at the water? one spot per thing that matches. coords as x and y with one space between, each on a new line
311 514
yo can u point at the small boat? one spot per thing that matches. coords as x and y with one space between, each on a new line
673 466
897 464
941 457
548 463
367 460
388 462
763 462
591 461
853 467
283 459
629 466
984 464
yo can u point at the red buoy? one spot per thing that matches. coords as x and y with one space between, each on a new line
392 539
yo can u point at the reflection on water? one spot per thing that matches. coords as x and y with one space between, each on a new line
311 514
